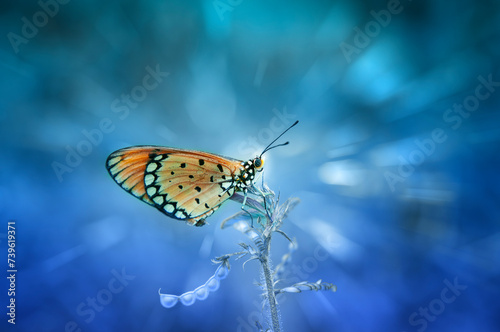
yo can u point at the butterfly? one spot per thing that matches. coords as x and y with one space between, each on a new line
184 184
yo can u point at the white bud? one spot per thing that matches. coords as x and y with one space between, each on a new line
188 298
201 293
222 272
290 290
212 284
168 301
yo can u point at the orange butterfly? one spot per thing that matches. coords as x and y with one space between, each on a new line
183 184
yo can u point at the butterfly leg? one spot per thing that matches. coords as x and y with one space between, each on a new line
261 193
264 195
245 191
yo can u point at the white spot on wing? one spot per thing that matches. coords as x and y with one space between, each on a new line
151 191
115 169
114 160
151 167
169 208
148 179
159 200
180 215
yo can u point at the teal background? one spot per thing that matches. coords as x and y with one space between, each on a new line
395 159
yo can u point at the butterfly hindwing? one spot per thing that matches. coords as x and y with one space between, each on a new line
183 184
189 185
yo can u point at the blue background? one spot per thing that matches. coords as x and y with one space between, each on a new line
237 76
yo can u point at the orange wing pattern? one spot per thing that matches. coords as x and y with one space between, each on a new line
127 167
183 184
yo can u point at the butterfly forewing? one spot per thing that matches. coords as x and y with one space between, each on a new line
127 167
186 185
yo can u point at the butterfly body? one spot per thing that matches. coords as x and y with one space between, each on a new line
183 184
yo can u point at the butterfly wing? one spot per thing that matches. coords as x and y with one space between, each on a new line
127 167
183 184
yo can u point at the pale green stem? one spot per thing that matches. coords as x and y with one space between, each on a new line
271 296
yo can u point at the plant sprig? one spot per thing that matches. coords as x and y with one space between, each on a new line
262 216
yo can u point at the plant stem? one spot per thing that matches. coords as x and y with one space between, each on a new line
271 297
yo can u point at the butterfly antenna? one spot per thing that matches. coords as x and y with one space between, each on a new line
269 147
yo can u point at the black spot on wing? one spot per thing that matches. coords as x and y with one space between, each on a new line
201 162
219 166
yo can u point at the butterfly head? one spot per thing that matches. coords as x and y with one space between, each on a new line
249 169
258 164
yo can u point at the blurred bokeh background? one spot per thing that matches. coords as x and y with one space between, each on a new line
395 159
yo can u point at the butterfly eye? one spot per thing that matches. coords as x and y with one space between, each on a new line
258 163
